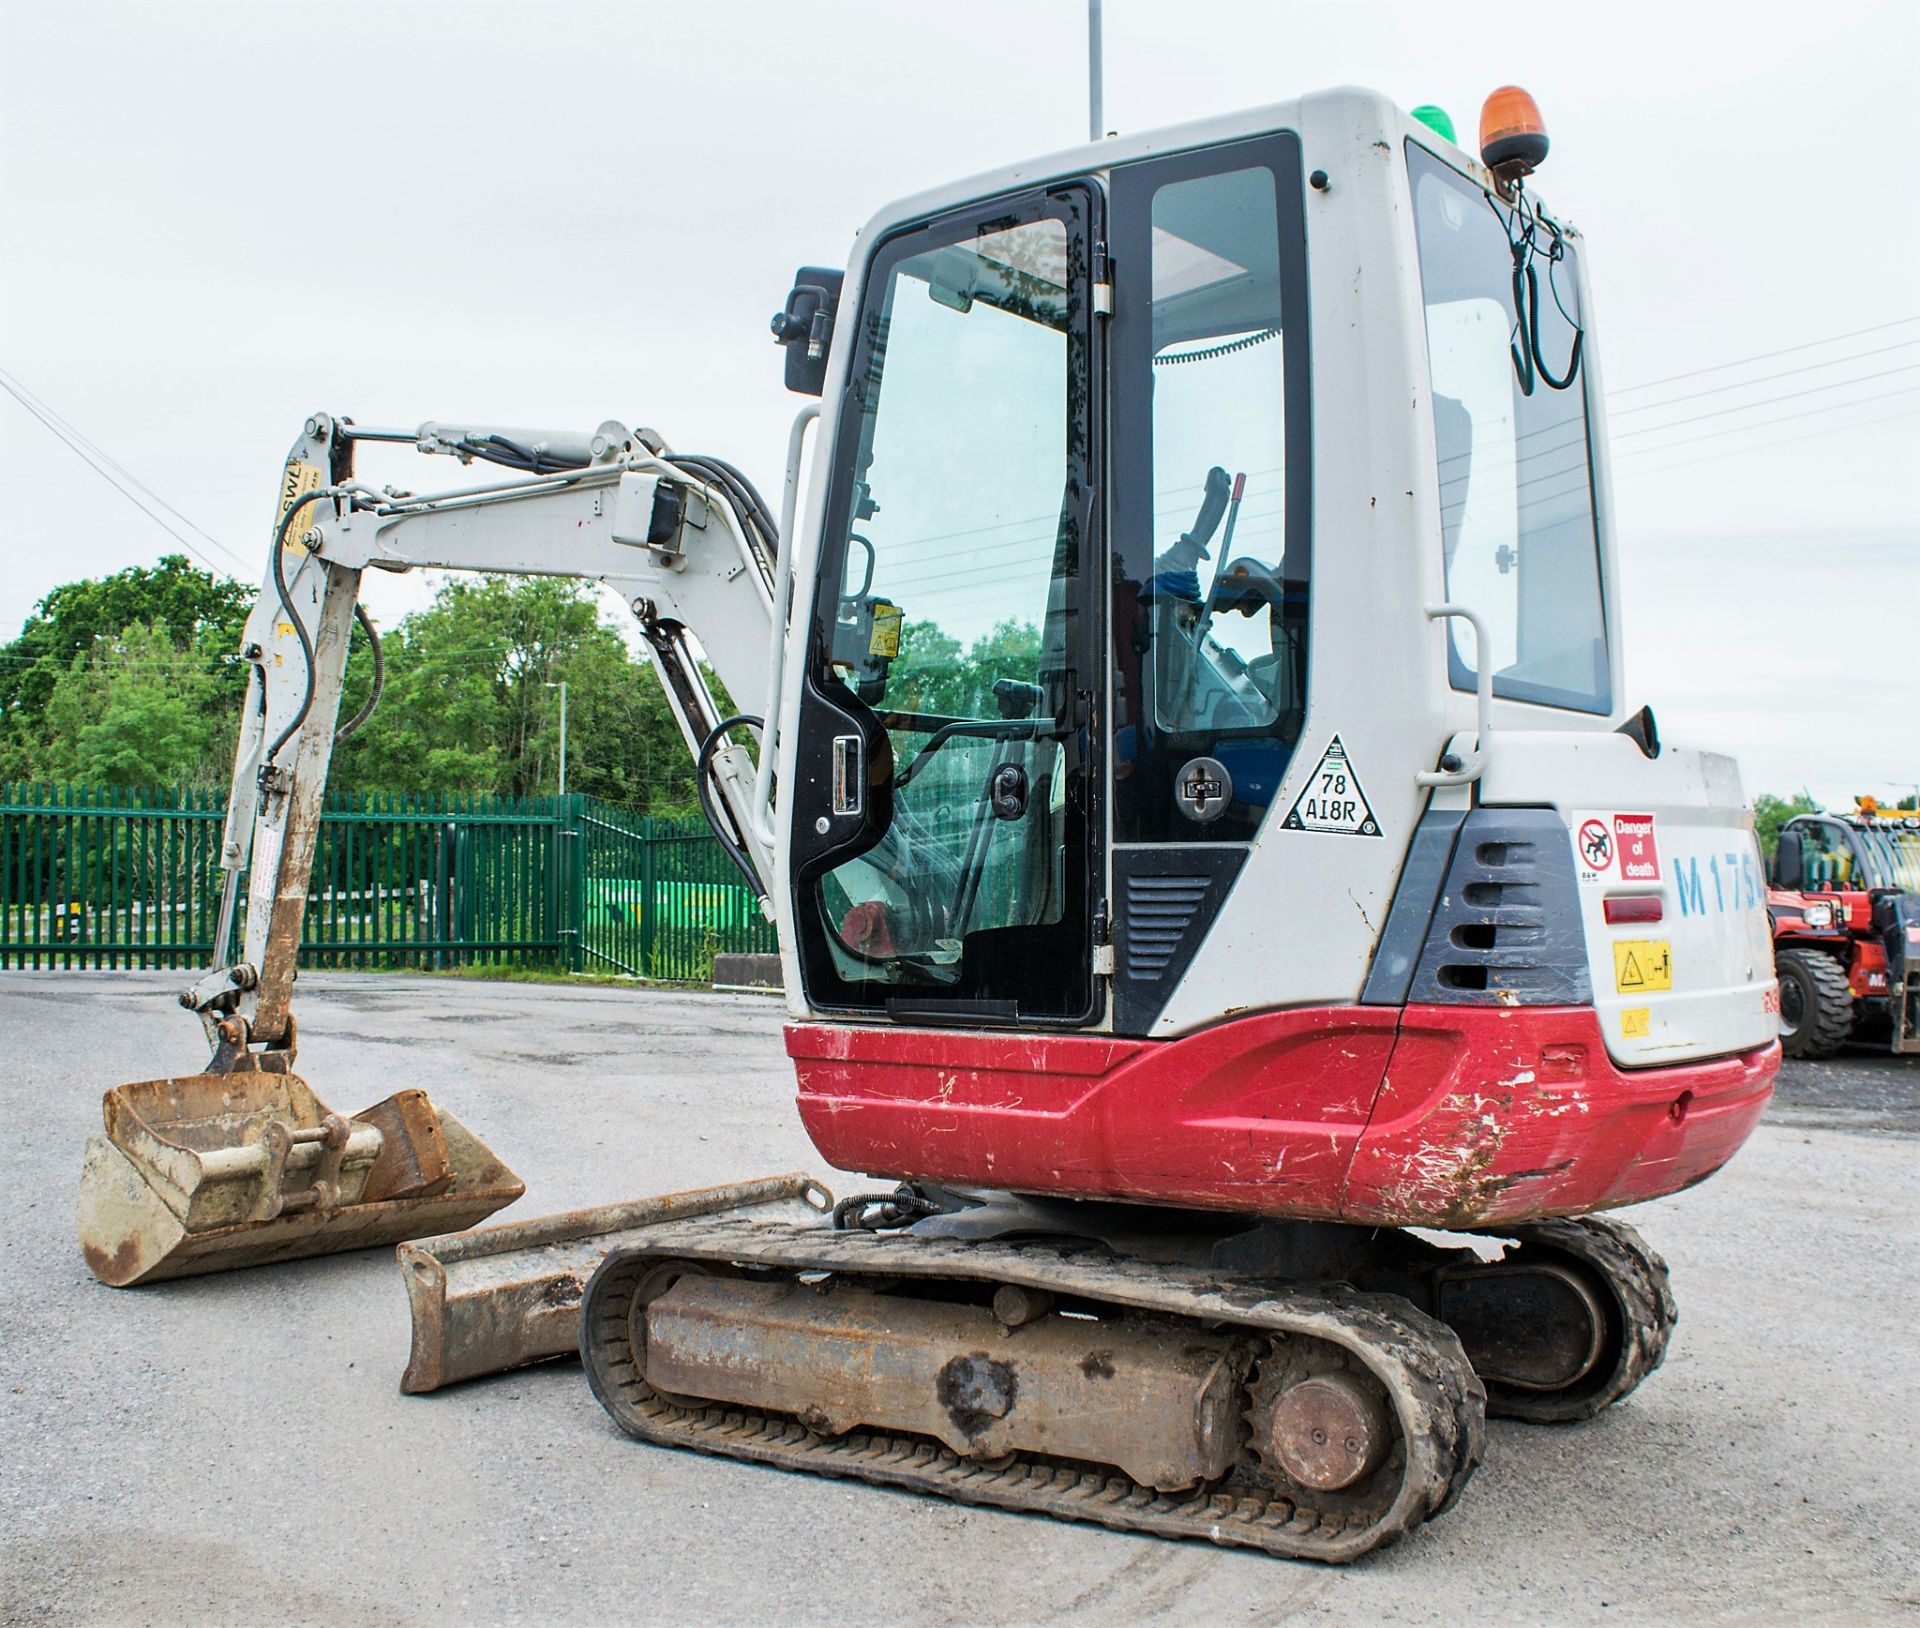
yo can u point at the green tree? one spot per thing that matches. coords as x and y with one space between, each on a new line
471 702
932 673
136 710
196 619
1770 813
926 676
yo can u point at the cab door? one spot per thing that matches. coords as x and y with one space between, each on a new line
1212 526
945 838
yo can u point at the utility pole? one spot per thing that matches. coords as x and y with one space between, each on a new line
1096 112
562 688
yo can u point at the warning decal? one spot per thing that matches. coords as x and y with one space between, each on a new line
885 638
1641 964
300 479
1639 848
1617 848
1333 800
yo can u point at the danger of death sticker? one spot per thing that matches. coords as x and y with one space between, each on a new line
1618 847
1333 800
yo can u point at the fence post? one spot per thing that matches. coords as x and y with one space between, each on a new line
573 845
649 895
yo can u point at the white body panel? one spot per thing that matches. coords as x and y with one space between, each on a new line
1677 829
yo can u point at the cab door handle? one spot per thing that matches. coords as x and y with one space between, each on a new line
849 784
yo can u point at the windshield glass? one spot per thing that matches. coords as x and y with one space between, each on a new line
952 616
1510 427
1892 854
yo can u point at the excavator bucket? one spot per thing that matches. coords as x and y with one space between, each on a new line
506 1296
205 1172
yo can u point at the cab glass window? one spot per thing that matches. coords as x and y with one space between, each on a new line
1510 425
952 618
1209 586
1827 856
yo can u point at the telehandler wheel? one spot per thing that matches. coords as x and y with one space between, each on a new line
1816 1007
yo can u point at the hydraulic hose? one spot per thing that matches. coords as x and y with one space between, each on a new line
379 677
743 494
293 616
717 818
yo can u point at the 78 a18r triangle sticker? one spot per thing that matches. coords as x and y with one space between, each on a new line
1333 800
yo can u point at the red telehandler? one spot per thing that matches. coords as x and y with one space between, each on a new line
1845 907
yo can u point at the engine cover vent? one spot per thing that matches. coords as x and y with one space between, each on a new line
1159 911
1167 897
1506 927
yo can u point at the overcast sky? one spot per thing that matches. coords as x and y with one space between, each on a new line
216 218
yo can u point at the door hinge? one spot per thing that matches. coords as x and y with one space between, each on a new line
1103 962
1102 282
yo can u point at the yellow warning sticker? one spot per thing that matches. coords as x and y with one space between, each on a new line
1642 964
300 479
885 638
1635 1022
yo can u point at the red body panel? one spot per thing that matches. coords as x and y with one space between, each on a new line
1436 1116
1850 937
1867 973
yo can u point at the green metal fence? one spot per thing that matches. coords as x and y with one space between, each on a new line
661 898
91 877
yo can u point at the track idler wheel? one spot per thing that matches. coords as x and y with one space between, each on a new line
1567 1323
1324 1432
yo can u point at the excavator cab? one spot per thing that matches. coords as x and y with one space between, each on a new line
1264 459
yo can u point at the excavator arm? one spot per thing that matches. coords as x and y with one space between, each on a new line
686 542
243 1163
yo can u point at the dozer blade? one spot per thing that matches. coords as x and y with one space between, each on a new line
506 1296
205 1172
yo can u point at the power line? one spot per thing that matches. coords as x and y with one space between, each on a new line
67 429
179 537
1769 401
1778 441
1578 468
1765 378
1477 465
127 484
1764 356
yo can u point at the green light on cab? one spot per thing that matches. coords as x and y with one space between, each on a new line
1436 120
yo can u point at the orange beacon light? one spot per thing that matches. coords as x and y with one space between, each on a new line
1513 136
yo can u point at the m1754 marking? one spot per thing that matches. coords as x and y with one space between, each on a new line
1735 877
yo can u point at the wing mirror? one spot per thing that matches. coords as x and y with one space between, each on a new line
1789 867
804 326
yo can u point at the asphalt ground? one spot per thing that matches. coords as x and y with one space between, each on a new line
235 1448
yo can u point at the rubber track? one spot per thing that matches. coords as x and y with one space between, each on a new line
1437 1398
1636 1277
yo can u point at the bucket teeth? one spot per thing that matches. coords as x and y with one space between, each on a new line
204 1172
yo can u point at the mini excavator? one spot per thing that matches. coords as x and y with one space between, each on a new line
1224 891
